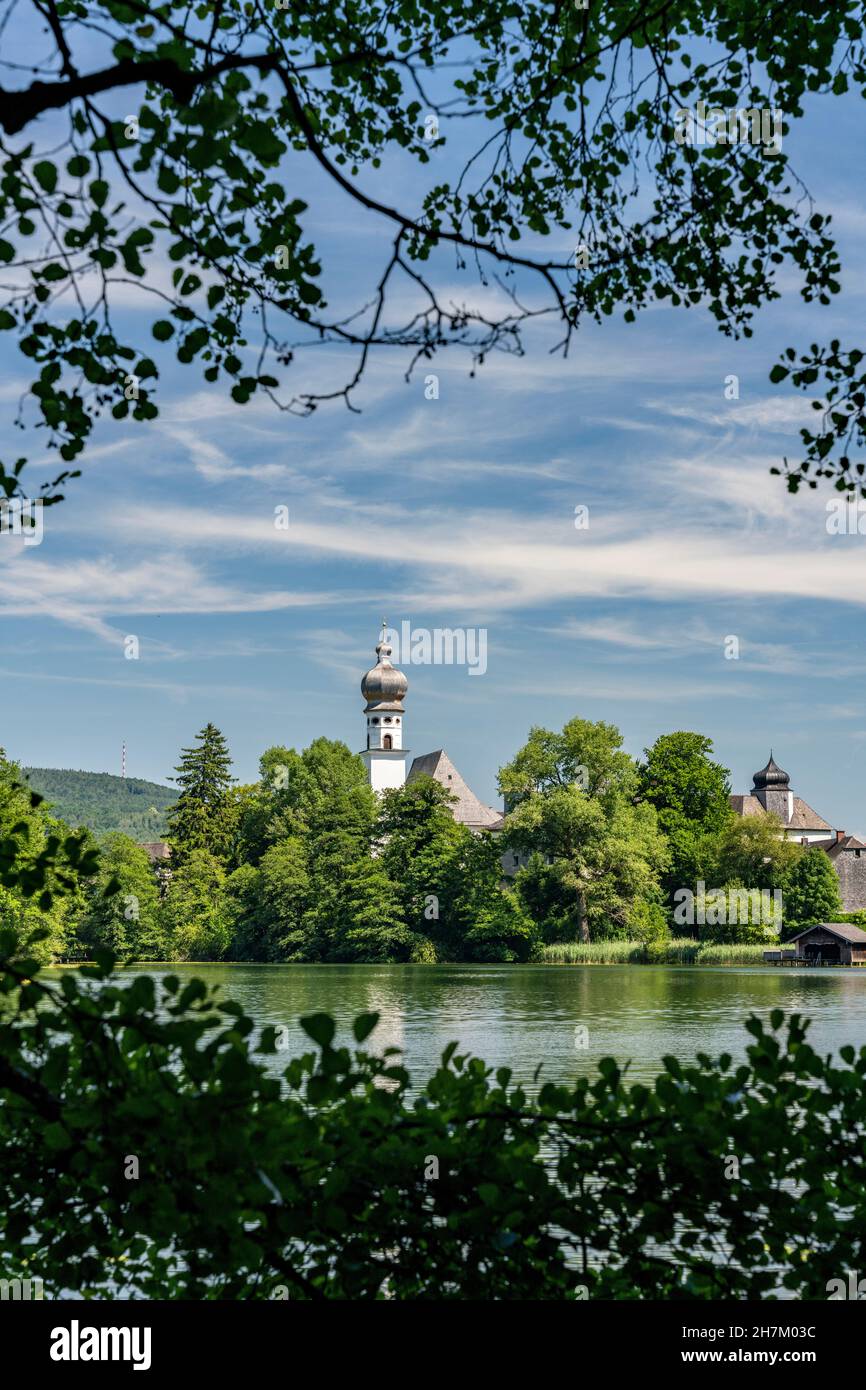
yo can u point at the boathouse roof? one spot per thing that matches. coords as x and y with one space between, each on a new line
844 930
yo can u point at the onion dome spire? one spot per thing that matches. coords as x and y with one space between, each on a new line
770 776
383 687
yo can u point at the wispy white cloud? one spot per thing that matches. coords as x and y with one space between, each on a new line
214 464
503 561
81 592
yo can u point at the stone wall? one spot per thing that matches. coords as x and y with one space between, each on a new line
852 879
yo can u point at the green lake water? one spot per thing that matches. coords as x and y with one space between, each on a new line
523 1016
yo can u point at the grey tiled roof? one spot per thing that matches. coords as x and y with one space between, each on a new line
845 930
467 809
804 818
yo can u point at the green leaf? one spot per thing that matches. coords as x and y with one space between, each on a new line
46 175
364 1025
321 1028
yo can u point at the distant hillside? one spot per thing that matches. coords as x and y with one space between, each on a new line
103 802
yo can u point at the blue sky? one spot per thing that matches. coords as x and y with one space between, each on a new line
459 512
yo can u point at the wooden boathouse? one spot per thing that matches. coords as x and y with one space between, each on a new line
826 943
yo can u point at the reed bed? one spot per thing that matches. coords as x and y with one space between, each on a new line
677 951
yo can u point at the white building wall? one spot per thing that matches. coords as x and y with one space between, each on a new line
377 732
811 837
386 771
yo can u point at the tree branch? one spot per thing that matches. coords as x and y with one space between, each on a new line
18 109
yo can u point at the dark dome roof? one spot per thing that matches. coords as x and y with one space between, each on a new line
770 776
384 685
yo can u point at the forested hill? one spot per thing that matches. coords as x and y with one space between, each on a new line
104 802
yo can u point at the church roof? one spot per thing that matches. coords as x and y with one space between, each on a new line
157 849
847 842
803 818
467 809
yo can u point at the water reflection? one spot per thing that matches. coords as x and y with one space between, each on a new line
523 1016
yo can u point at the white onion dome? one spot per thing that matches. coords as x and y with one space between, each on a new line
383 687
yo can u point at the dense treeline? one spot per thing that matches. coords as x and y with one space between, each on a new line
307 864
103 802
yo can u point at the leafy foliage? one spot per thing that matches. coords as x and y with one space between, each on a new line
530 122
126 921
690 793
42 864
427 855
750 851
832 447
334 875
574 808
147 1152
195 915
812 892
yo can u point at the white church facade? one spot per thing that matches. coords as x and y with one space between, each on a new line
384 689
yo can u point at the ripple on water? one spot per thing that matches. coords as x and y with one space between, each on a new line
525 1016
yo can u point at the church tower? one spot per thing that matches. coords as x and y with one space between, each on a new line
771 787
383 688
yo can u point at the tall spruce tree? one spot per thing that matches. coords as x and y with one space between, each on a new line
203 818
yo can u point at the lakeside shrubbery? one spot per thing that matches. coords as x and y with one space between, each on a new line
147 1152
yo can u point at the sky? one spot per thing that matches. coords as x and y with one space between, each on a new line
459 512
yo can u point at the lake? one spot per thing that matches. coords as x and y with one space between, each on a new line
563 1017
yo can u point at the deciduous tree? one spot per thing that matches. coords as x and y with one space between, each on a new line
126 921
573 805
557 152
690 792
812 891
195 913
